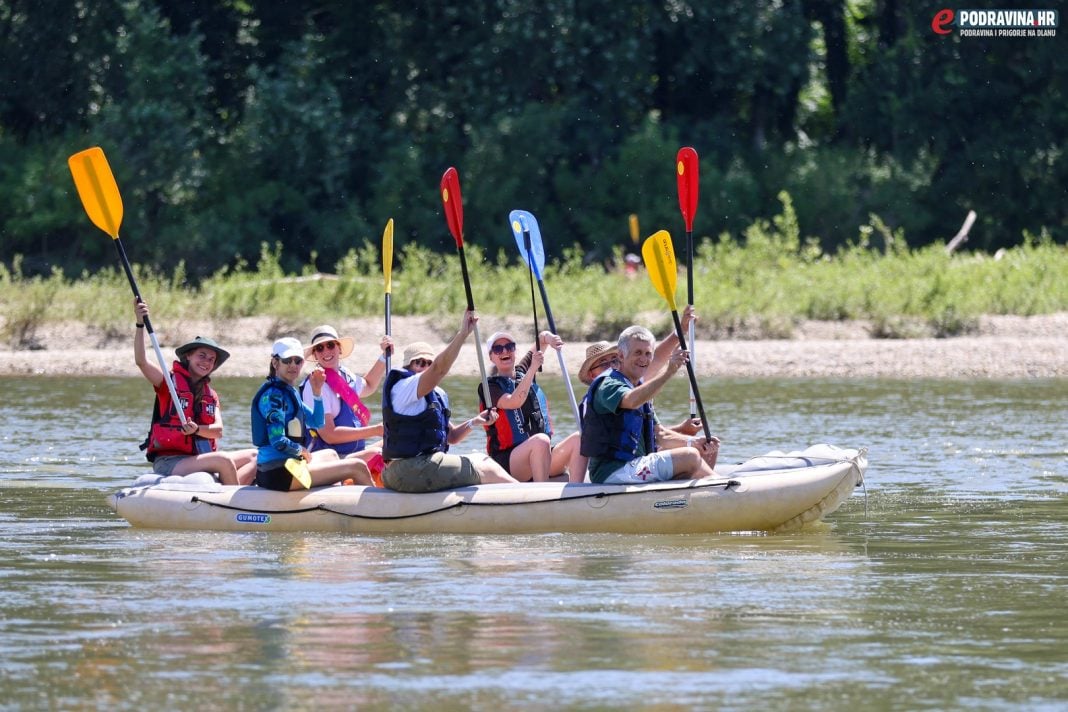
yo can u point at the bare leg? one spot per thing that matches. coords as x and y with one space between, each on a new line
687 464
215 462
492 473
331 471
245 462
530 459
565 458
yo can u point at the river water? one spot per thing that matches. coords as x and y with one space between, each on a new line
944 587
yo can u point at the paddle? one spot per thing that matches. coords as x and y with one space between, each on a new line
387 273
528 238
633 222
659 259
687 168
297 467
100 197
452 201
533 300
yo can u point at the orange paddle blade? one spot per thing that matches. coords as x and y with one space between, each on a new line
97 189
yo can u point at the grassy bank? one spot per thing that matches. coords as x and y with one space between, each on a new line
759 287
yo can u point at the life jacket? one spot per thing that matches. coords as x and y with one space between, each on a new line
296 428
616 436
515 425
165 436
411 435
346 417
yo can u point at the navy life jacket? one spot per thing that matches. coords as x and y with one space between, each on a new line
411 435
515 426
616 436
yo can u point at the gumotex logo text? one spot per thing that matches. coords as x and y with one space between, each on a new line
997 23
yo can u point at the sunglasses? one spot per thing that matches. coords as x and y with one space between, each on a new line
421 362
291 360
501 348
319 348
610 363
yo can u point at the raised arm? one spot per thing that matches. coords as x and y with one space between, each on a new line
431 377
148 369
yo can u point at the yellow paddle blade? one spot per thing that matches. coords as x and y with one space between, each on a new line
387 255
633 221
299 470
659 257
97 189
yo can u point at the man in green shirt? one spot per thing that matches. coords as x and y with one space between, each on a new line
620 432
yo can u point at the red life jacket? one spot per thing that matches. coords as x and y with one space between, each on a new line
165 437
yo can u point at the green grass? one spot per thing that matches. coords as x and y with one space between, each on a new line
762 287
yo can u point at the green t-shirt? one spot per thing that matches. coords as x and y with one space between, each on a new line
606 400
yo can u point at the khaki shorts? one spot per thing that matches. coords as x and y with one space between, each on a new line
430 473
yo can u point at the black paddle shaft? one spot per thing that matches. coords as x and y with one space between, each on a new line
467 279
129 275
693 378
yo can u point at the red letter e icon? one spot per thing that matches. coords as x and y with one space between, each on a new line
941 19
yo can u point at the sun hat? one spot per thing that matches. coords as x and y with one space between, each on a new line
496 336
221 354
594 353
287 347
418 349
324 333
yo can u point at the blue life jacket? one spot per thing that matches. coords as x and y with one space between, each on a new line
259 423
514 426
616 436
411 435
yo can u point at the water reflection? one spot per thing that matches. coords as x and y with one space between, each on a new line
948 594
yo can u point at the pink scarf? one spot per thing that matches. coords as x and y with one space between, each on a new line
341 386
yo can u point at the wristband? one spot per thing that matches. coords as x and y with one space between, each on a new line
382 358
139 326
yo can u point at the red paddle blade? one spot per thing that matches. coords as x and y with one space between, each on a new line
454 205
686 167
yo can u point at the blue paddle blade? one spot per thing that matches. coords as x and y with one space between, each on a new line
520 221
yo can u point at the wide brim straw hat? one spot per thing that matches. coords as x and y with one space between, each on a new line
417 349
594 353
324 333
221 354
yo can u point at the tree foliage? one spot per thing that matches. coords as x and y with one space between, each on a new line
230 123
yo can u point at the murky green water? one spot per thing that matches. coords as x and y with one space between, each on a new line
949 593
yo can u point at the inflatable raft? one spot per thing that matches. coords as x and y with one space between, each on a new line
773 493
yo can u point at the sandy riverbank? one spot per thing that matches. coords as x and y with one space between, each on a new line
1002 347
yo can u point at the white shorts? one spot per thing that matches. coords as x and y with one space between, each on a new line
655 467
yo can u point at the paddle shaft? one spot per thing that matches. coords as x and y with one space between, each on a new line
693 377
533 299
689 298
389 352
471 307
151 333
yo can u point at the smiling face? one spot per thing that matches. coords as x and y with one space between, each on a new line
502 354
288 372
636 356
327 353
201 361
